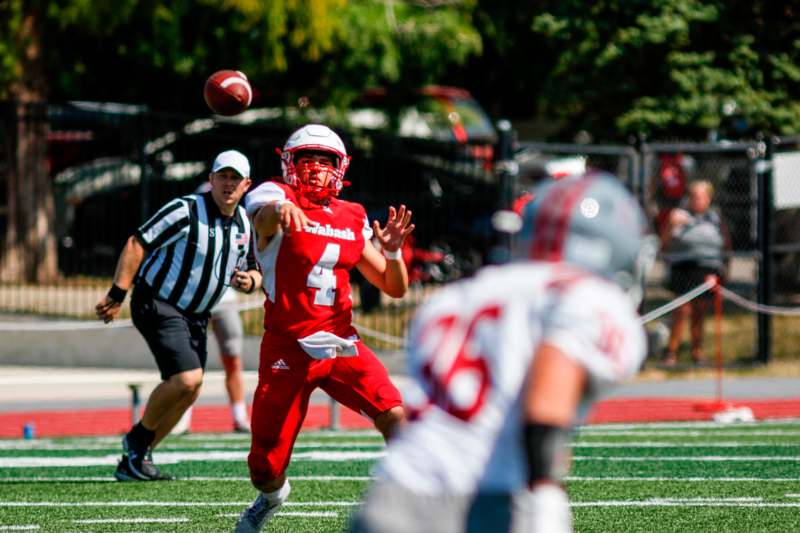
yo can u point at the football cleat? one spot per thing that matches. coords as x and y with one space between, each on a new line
256 516
133 459
151 471
124 472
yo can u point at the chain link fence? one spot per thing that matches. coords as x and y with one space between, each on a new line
112 166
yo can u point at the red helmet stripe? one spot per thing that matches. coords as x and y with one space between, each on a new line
574 193
541 224
552 221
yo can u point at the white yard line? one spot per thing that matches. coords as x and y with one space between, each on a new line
663 502
306 514
63 447
43 462
320 504
316 434
179 520
50 446
692 433
743 501
109 478
312 514
703 499
157 503
28 527
704 424
668 444
331 478
683 458
152 503
164 458
693 479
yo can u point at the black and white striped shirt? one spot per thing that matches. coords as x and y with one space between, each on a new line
192 251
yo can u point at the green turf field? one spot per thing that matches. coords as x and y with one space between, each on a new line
688 477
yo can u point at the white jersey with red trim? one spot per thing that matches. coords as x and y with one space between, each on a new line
307 273
471 346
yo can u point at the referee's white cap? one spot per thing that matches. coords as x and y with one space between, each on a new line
232 159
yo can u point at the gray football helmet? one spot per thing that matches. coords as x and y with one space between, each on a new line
591 221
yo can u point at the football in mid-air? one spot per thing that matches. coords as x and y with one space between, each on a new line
227 92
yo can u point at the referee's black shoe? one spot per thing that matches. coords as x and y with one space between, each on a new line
150 470
137 464
132 462
125 472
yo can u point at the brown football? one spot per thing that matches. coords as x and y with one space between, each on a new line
227 92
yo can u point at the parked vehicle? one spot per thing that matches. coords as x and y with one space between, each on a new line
101 200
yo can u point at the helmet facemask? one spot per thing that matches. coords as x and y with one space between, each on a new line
316 180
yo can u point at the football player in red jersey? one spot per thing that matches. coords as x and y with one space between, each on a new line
307 242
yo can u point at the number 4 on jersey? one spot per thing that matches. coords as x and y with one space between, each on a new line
322 277
458 374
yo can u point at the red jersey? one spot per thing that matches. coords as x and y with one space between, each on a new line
307 273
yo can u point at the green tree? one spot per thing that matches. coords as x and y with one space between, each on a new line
26 53
159 53
672 68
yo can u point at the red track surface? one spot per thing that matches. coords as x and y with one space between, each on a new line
217 418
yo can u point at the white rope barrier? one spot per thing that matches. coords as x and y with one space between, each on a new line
379 335
83 325
757 307
677 302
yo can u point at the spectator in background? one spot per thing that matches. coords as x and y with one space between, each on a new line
694 240
670 185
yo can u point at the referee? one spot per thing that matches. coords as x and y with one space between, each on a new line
181 261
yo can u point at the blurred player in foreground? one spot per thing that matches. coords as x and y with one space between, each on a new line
307 242
507 363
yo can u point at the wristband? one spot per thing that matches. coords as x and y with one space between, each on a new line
544 445
117 293
277 205
396 255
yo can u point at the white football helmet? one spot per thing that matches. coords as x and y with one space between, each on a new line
314 138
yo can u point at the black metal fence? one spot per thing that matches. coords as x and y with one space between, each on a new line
111 166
